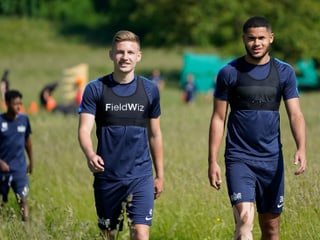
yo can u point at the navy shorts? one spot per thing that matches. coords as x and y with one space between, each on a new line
19 184
113 199
261 182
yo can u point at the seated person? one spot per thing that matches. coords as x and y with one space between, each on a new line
47 100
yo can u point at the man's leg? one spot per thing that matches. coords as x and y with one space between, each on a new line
109 234
24 209
5 184
140 207
139 232
270 226
110 207
244 217
20 185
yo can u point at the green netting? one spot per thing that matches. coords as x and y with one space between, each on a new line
204 67
308 76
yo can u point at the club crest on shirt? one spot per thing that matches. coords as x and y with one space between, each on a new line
4 126
21 128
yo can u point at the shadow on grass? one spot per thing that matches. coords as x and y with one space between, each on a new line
308 89
98 35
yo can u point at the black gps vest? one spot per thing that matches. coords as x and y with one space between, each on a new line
123 110
252 94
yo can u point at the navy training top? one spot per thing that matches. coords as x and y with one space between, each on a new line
123 147
13 135
254 134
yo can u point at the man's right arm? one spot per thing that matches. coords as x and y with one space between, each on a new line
216 132
86 123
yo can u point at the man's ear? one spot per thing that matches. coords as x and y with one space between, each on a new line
110 55
139 56
271 38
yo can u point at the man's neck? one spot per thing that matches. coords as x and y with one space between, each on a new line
123 78
255 61
11 116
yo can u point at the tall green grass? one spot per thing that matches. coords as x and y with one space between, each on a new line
61 198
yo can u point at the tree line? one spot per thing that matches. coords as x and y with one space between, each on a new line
203 23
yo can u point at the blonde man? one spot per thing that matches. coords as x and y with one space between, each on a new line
126 110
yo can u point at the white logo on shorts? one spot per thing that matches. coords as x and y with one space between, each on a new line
280 204
235 196
149 217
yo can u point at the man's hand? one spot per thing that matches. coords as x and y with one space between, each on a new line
30 168
95 163
214 174
300 158
158 187
4 166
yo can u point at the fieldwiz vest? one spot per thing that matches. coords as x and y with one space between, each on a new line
123 110
252 94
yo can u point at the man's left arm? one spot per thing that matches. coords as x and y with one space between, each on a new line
28 147
156 148
298 128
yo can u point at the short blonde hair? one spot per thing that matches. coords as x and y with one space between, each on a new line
125 35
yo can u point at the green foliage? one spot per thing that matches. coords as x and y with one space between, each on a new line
61 10
17 7
186 22
67 11
61 195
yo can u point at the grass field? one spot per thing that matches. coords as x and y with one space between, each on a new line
61 198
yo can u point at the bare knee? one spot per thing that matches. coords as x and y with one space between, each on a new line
244 216
139 232
270 225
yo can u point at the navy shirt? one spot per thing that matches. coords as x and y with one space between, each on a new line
254 134
124 149
13 134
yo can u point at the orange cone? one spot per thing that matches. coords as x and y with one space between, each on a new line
4 106
33 108
22 109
